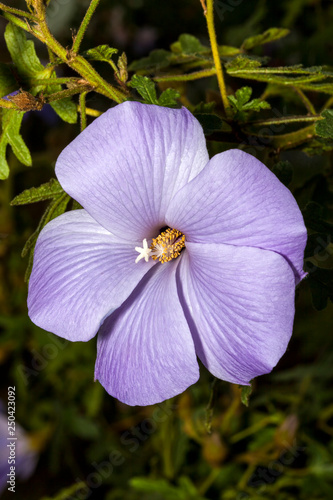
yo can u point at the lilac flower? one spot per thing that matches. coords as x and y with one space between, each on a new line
173 256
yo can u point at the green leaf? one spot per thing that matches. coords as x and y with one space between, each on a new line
7 81
22 52
324 128
66 109
157 59
242 62
321 285
11 123
145 87
246 393
284 172
227 51
46 191
188 44
241 101
268 36
169 98
101 53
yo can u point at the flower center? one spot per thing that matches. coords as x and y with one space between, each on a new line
165 247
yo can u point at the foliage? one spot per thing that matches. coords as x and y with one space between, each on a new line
270 440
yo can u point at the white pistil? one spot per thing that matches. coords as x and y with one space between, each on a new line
144 252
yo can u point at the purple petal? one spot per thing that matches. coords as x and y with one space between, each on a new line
237 200
145 352
240 306
81 274
126 166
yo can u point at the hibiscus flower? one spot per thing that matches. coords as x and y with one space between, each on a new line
173 256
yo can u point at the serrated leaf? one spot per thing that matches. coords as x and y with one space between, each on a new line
324 128
241 97
22 52
268 36
188 44
101 53
7 81
241 101
169 98
145 87
246 391
45 191
11 123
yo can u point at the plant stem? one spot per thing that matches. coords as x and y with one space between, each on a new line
84 24
93 112
183 78
83 114
54 81
216 56
77 63
18 12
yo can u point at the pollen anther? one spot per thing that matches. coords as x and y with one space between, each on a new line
167 245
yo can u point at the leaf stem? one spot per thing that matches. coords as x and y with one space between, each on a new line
84 24
189 76
216 56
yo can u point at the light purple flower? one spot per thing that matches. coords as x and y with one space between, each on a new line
228 298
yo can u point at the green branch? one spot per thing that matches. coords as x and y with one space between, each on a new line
216 56
189 76
82 29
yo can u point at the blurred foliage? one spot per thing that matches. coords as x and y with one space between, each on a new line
204 444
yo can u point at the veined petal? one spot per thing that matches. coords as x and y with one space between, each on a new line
145 352
81 274
239 302
237 200
126 166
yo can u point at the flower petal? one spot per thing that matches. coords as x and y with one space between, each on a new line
145 352
81 273
237 200
126 166
239 303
